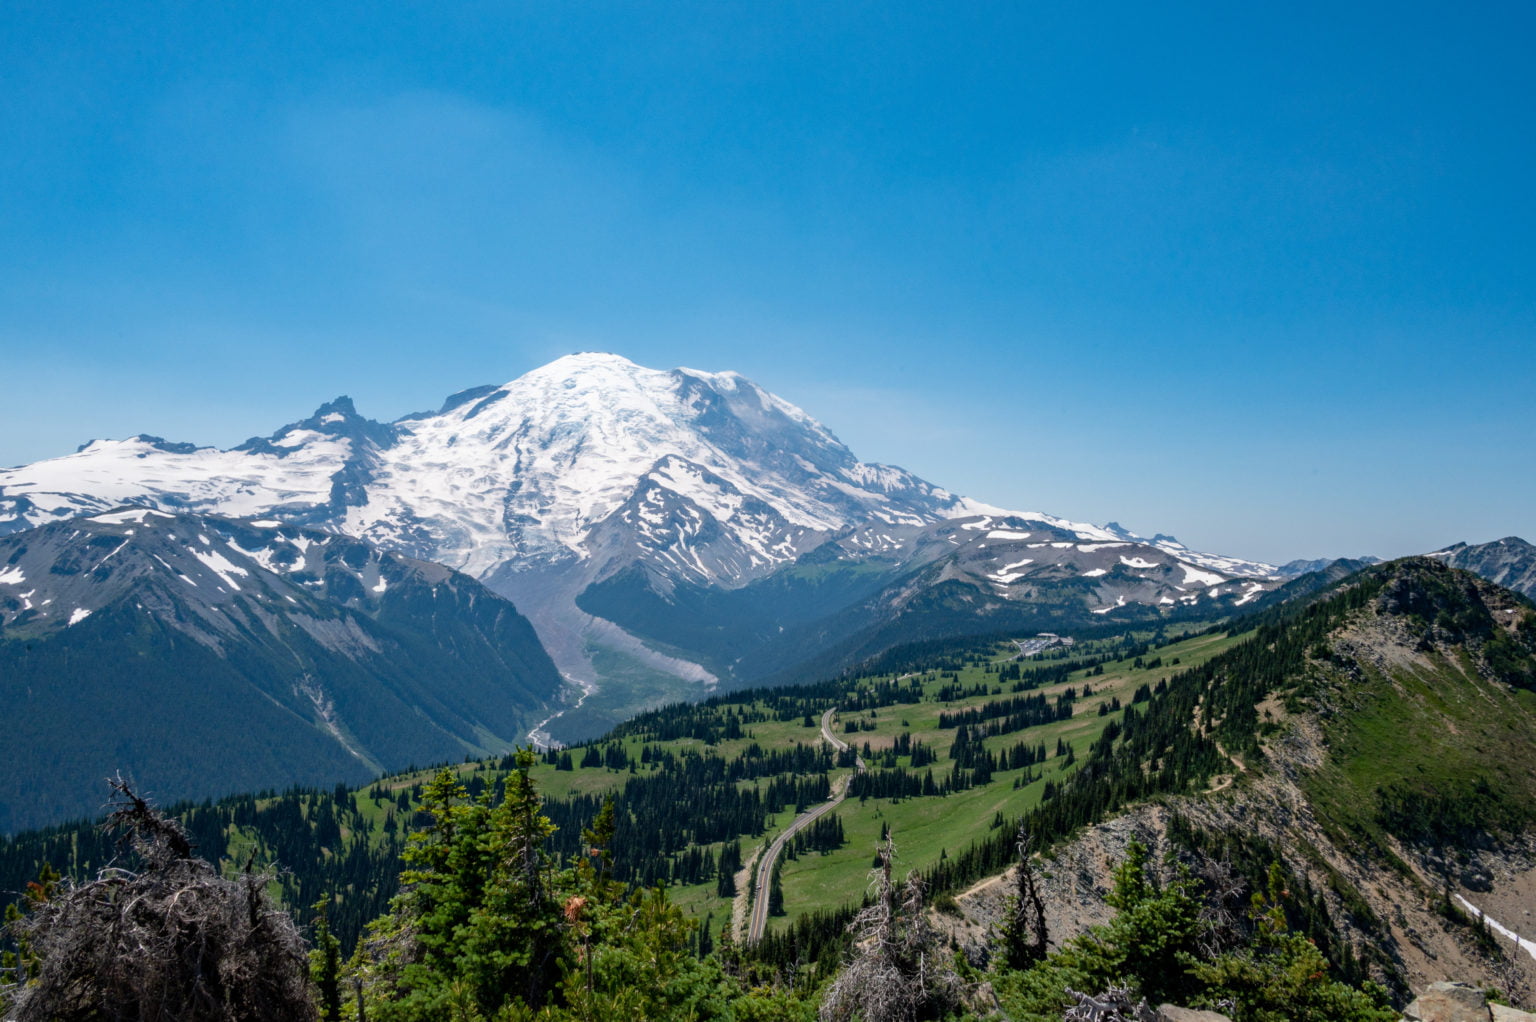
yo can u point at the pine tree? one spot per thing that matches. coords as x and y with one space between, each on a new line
325 964
476 923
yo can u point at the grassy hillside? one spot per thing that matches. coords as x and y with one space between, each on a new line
1429 711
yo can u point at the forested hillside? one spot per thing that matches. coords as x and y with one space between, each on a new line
961 749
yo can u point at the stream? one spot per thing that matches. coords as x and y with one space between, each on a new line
539 734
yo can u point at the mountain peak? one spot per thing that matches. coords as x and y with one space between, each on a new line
335 418
581 363
342 406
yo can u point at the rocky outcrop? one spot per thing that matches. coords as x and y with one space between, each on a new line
1458 1002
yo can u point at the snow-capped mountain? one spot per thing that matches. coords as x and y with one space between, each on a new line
1234 566
139 640
707 474
590 469
711 475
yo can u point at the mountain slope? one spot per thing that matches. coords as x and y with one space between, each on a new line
208 655
867 589
1381 750
1511 562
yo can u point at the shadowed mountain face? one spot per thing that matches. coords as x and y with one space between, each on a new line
207 655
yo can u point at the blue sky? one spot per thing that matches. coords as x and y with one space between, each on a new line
1264 279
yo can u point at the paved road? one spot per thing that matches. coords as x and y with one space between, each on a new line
758 923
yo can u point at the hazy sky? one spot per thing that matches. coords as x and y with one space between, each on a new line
1264 279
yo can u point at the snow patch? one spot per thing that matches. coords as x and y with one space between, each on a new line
12 577
1522 943
115 550
78 615
1255 590
1194 576
1095 572
1006 534
1007 574
1136 562
137 515
221 566
267 558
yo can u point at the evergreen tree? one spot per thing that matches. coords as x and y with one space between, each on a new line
476 923
1282 976
325 964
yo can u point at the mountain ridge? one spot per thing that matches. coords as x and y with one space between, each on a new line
1511 562
217 653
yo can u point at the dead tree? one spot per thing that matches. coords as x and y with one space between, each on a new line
1024 935
897 970
169 940
1113 1005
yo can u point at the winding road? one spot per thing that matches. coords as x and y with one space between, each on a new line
758 922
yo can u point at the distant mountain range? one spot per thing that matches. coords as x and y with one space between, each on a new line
205 655
665 531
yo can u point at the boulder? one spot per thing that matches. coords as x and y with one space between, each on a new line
1449 1002
1504 1013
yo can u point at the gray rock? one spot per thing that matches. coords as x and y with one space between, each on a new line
1504 1013
1449 1002
1173 1013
